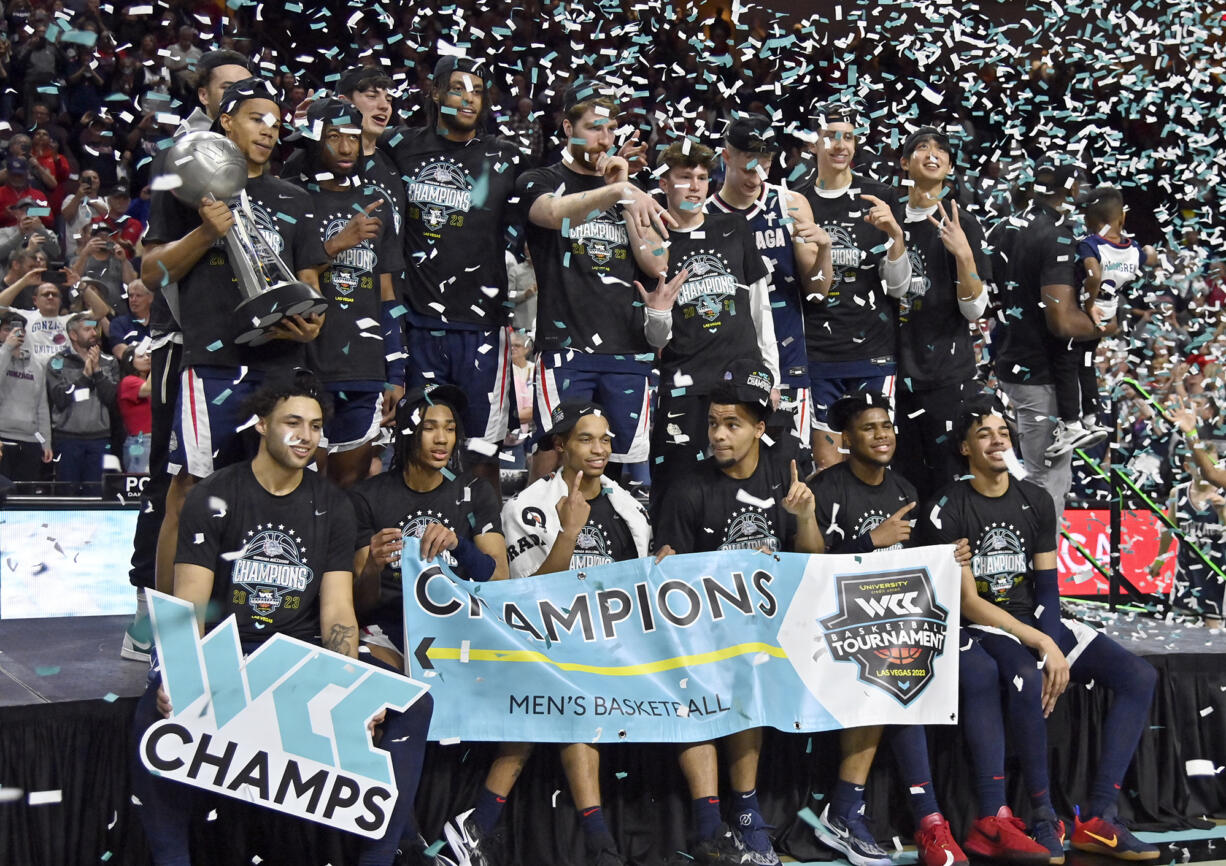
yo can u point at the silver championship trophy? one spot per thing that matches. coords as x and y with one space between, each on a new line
208 164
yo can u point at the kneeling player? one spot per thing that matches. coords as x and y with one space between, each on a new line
1009 592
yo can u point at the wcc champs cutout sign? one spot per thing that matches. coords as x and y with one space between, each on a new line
284 727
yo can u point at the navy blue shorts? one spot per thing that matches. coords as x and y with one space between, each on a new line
476 362
208 413
355 419
830 381
625 398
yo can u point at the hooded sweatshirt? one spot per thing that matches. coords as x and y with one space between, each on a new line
24 412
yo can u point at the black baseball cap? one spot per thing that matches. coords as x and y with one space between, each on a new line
752 133
844 410
17 165
450 63
360 77
923 134
565 416
241 91
407 418
846 110
749 382
1056 175
322 112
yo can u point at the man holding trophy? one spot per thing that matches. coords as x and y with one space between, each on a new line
240 246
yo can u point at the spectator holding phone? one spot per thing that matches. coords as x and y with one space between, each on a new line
17 187
28 231
103 259
79 210
25 416
46 328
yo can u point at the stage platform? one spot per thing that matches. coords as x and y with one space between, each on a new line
66 701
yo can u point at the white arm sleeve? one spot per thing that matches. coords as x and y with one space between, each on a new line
658 327
764 323
973 309
897 275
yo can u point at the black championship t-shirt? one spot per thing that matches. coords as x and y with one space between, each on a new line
268 554
707 510
935 343
350 348
1005 534
848 509
209 292
712 322
459 200
856 320
604 538
1030 250
467 506
585 272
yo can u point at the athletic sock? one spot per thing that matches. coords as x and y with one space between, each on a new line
745 801
591 821
705 814
910 745
846 800
488 810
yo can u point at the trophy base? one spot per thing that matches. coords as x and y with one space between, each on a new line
267 309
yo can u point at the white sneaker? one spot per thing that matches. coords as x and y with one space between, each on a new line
1067 435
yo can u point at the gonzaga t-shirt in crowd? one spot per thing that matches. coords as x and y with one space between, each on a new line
848 509
1005 534
209 292
712 321
585 272
468 507
856 320
267 553
707 510
351 284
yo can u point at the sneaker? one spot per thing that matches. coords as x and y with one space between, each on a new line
1003 837
467 842
1065 439
1090 422
754 835
935 845
723 849
852 838
1106 835
1048 831
137 640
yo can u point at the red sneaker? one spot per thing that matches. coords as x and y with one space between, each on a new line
935 843
1108 836
1003 837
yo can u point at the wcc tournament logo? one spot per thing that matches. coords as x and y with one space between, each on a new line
442 188
890 625
271 570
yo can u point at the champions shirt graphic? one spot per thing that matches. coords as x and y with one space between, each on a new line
440 195
415 525
846 256
601 239
349 266
749 529
709 289
271 572
1000 561
920 284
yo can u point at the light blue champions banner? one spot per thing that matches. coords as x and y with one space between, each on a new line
699 646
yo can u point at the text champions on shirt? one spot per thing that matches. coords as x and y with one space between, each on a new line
597 614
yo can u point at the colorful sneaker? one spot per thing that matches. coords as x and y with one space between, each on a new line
754 835
467 842
1048 831
1003 837
851 837
935 845
1106 835
137 640
1065 439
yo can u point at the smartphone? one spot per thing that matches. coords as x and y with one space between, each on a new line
54 274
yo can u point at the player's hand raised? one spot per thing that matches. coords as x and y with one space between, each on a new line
808 232
614 169
799 500
573 508
634 152
882 217
665 293
894 530
950 229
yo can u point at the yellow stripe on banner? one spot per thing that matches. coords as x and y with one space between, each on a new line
475 655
